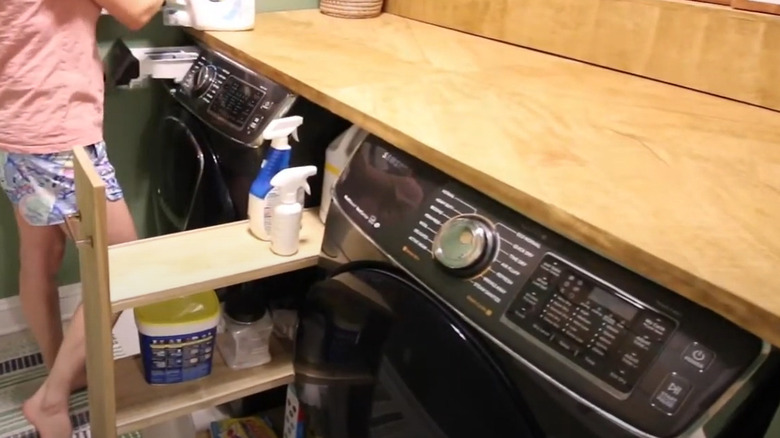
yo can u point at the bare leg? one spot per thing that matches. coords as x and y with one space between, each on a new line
47 409
40 255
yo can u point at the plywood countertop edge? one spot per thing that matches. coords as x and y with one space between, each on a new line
746 314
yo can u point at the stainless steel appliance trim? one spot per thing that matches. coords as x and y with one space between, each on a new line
695 427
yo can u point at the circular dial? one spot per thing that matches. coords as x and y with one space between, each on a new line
204 79
464 244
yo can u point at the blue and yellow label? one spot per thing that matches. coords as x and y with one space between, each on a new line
176 359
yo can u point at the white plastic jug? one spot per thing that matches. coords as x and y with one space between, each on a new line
222 15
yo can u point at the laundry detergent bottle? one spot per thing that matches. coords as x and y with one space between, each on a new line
260 204
337 156
222 15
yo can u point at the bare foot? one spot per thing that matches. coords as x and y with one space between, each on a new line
51 420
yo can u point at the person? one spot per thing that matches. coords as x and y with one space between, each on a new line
51 101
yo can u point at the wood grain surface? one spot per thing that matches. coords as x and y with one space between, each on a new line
164 267
93 263
699 45
679 186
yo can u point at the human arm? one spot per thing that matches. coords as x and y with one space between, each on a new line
134 14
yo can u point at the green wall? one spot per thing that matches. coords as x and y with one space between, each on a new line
129 132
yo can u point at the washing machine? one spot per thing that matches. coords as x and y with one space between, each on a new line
211 146
444 314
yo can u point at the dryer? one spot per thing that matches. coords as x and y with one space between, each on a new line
212 149
445 314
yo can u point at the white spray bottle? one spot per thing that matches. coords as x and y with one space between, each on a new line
286 216
262 197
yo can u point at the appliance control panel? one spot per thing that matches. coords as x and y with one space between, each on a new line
609 336
231 98
631 348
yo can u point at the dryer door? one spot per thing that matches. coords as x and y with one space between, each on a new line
377 357
189 191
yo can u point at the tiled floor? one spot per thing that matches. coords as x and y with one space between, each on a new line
21 373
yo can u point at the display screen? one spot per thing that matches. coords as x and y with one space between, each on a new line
618 306
236 102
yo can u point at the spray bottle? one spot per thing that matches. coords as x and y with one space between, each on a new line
286 217
261 198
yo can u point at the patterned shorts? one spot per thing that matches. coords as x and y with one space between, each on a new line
42 186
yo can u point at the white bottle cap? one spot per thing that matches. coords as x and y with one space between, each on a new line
279 130
289 180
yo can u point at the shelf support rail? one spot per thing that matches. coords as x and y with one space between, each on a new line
88 229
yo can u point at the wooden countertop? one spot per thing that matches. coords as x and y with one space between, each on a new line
676 185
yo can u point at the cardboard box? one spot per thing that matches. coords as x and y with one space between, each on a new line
766 6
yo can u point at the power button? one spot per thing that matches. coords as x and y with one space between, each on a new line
698 356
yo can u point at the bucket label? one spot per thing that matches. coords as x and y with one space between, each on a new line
176 359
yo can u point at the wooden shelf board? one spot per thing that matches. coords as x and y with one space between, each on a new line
141 405
703 46
160 268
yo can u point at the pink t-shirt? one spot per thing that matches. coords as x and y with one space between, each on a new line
51 76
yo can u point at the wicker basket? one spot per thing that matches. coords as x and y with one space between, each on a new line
351 8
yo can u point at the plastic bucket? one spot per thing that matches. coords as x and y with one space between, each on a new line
177 338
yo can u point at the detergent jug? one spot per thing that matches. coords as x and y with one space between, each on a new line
210 14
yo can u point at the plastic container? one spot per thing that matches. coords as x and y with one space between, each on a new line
337 156
224 15
287 215
248 327
177 338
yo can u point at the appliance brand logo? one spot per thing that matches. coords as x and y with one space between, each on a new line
395 162
370 219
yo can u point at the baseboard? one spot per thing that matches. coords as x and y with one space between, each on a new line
125 330
11 308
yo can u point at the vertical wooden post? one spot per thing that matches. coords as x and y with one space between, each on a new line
93 258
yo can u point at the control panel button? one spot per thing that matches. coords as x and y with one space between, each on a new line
464 244
641 343
698 356
671 394
621 378
590 361
582 326
542 280
567 346
573 287
653 326
557 312
634 359
529 302
542 331
607 340
554 319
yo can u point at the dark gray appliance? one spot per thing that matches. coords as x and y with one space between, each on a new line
447 315
212 147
